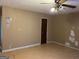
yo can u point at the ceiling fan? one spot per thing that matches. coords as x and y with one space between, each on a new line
60 3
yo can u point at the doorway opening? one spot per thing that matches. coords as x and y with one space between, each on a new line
44 31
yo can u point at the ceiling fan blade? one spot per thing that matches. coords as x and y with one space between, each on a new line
44 3
62 1
71 6
57 1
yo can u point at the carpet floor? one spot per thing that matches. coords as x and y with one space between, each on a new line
46 51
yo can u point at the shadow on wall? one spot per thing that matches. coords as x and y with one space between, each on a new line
73 19
65 29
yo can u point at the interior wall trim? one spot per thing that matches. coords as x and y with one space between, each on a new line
18 48
62 45
37 44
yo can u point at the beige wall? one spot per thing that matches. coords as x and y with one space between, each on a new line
24 29
60 27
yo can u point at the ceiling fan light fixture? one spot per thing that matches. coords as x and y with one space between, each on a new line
52 10
53 1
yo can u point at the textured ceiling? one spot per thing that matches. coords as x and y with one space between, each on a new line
34 5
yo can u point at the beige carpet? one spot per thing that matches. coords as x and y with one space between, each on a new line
47 51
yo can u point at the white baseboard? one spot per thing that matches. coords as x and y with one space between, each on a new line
62 45
28 46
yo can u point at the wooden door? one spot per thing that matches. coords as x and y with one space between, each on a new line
44 31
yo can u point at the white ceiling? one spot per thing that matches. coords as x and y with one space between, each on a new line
34 5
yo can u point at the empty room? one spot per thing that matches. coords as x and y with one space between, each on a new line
39 29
